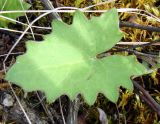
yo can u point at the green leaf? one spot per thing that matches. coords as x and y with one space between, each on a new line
7 5
66 63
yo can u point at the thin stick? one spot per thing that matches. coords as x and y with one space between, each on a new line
147 98
59 10
17 53
61 109
41 99
25 114
136 52
134 25
138 43
27 18
16 31
12 20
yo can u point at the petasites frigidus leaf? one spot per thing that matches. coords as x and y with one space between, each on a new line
7 5
66 62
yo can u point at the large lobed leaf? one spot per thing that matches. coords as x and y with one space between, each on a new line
66 63
7 5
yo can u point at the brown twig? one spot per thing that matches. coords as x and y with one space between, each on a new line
136 52
138 26
144 95
149 58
